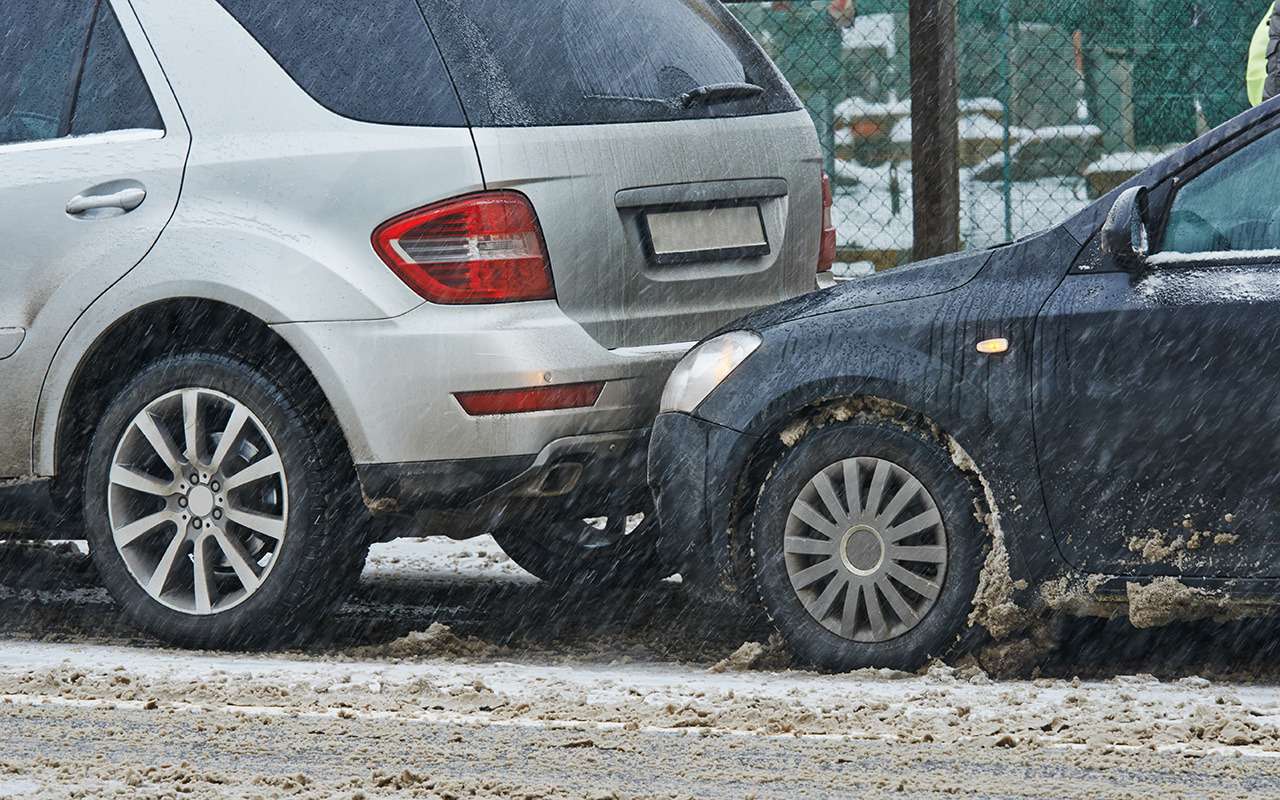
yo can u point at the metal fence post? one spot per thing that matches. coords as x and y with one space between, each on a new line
935 135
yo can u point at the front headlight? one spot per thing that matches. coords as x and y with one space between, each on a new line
705 367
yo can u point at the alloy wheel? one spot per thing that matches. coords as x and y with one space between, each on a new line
198 501
866 549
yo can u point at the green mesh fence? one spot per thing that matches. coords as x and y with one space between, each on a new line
1060 100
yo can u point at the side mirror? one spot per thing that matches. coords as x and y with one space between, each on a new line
1125 242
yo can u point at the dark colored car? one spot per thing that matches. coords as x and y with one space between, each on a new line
1092 406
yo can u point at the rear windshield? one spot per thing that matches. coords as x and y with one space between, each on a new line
583 62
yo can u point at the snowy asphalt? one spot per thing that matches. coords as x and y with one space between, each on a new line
528 694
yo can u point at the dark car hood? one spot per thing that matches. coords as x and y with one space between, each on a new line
925 278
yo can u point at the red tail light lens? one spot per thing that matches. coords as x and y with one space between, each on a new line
482 248
827 253
537 398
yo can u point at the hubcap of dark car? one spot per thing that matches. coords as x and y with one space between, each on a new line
866 549
198 501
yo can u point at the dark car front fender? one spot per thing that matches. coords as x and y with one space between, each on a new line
921 355
811 362
708 463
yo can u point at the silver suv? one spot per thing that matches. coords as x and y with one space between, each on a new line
283 279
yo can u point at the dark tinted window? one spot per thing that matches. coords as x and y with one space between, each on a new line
1233 205
41 49
574 62
113 94
373 60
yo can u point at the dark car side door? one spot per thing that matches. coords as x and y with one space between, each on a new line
1157 413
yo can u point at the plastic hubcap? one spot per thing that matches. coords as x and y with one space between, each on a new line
865 549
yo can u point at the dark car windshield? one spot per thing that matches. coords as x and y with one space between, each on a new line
582 62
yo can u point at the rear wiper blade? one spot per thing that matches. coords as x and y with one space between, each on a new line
718 93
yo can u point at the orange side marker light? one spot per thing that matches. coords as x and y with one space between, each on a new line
993 347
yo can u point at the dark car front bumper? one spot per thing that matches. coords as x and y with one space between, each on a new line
693 469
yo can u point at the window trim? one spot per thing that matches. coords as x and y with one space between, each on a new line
123 136
1167 261
82 60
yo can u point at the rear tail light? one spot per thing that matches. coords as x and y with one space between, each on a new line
482 248
537 398
827 253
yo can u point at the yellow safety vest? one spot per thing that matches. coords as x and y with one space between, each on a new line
1256 77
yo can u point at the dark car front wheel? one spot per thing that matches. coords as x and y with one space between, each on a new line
865 547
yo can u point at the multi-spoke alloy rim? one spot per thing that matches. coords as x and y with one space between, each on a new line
866 549
199 524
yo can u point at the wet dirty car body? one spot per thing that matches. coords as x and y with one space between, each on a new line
1118 441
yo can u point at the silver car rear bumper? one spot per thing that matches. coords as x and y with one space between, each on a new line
391 383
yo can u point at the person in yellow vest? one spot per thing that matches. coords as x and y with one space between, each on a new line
1263 77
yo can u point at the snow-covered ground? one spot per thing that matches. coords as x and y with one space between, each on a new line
945 704
439 558
454 674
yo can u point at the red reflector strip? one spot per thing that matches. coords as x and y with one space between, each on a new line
523 401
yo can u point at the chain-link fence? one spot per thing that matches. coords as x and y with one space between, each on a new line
1059 101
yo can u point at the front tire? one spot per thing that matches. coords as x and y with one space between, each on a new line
217 516
865 547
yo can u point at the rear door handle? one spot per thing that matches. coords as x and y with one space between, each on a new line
126 200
